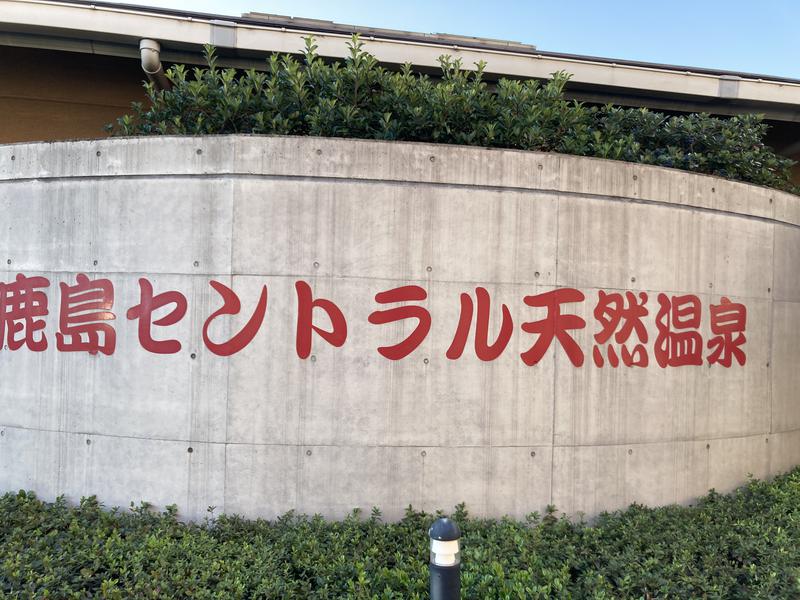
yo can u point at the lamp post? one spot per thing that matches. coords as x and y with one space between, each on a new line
445 561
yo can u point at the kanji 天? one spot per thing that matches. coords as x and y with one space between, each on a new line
554 326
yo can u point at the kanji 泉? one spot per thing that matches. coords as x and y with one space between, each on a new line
727 319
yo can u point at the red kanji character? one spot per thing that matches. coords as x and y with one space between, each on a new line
727 318
143 311
554 325
405 293
678 348
483 350
85 310
305 315
232 306
20 305
610 312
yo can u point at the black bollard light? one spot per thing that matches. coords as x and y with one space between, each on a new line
445 564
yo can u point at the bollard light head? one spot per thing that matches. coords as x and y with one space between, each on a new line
445 546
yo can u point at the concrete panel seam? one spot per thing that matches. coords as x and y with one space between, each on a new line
554 395
406 183
416 280
770 338
399 446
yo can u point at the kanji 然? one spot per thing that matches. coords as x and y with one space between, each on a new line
22 306
84 317
618 320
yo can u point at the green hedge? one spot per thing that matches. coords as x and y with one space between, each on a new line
360 99
743 545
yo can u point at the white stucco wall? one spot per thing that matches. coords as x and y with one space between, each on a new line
346 427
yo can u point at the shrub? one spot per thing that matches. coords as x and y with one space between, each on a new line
744 545
361 99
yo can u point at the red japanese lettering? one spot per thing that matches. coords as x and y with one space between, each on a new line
305 325
678 348
620 320
22 307
143 311
232 306
407 293
727 318
83 319
554 326
483 350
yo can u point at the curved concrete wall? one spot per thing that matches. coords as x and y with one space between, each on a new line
345 427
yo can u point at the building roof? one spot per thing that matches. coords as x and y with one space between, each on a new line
115 29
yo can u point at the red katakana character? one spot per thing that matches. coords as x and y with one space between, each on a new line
554 325
610 312
483 350
406 293
20 307
678 348
143 311
305 315
232 306
84 315
727 318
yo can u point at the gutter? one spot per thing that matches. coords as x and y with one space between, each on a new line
150 51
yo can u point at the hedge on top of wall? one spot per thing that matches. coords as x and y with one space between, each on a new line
361 99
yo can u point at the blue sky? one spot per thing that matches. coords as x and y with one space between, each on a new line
755 36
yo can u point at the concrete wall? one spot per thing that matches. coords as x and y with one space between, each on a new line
346 427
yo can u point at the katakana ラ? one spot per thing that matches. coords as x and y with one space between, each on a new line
407 293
